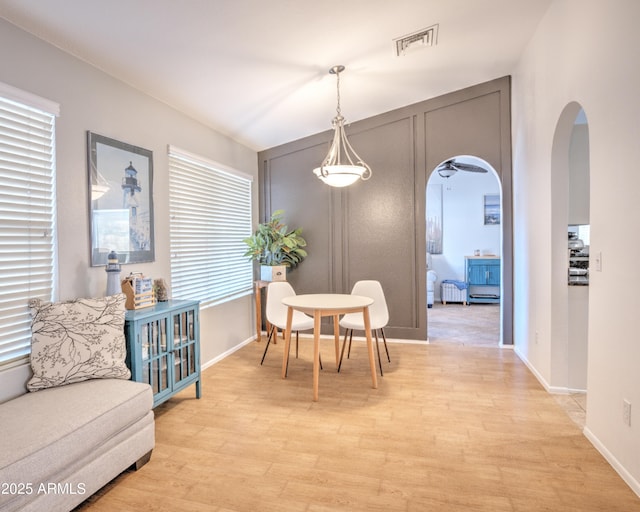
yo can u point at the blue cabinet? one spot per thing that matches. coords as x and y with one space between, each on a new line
483 278
163 347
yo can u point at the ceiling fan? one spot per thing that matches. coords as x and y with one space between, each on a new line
450 167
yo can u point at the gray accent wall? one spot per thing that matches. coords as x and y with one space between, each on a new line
376 229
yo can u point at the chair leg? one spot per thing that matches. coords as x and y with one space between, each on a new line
297 344
384 338
375 332
344 344
350 336
270 335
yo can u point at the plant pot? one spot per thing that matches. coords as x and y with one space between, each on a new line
273 273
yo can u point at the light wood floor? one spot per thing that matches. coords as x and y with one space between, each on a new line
476 325
450 428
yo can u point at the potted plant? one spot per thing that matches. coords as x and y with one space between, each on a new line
275 247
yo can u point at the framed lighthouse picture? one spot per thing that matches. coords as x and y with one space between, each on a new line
120 200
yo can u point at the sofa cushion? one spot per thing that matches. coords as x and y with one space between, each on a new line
77 340
45 432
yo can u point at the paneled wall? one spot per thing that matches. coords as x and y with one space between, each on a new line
376 229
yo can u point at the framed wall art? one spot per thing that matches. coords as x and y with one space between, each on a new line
434 219
120 200
492 209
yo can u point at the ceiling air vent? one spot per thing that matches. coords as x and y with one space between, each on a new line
420 39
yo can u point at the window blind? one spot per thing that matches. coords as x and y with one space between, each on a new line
210 216
27 218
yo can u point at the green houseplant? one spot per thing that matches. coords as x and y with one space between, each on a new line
274 244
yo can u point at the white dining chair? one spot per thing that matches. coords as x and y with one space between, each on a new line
276 313
378 317
431 285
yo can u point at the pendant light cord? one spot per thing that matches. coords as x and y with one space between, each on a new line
339 113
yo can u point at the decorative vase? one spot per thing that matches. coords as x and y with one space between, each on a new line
273 272
162 292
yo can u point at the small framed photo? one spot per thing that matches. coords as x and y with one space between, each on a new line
492 209
120 200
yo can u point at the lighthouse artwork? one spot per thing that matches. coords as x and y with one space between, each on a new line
121 205
138 233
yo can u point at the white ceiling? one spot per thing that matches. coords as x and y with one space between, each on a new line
257 70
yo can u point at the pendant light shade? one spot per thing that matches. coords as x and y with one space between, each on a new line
342 166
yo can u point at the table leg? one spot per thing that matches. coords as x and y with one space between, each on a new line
287 342
372 360
336 335
317 317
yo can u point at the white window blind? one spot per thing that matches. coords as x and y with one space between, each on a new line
27 217
210 216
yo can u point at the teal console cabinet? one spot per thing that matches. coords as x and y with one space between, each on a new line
483 278
163 347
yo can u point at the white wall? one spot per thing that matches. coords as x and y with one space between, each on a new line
584 51
92 100
463 229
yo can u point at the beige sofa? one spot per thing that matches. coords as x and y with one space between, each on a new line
58 446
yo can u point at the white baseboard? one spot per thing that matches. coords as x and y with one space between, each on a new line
219 358
533 370
615 463
555 390
389 340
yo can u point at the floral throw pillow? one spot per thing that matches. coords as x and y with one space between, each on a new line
77 340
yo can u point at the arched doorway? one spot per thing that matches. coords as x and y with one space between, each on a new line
570 198
464 235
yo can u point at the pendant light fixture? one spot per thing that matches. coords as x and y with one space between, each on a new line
342 166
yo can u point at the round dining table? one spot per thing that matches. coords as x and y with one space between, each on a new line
318 305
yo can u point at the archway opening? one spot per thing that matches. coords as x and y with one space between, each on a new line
464 253
570 202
